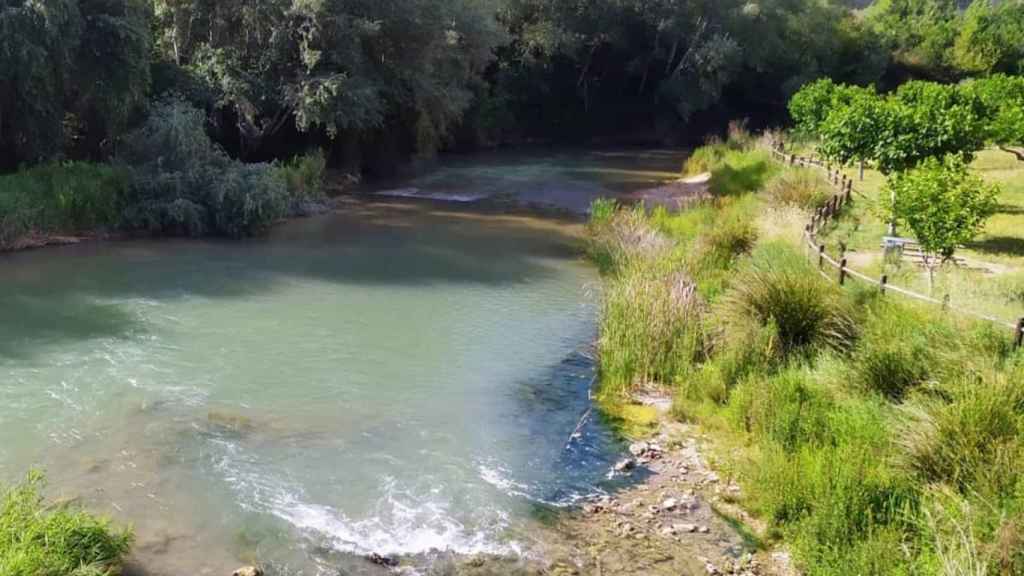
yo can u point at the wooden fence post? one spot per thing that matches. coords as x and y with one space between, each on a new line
1018 339
821 256
884 283
849 190
842 272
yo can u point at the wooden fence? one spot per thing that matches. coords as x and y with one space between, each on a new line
844 192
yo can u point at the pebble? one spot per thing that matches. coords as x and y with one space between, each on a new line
669 505
625 465
685 528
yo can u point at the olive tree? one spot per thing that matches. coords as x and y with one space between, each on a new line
943 204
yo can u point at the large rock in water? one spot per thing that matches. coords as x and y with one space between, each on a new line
248 571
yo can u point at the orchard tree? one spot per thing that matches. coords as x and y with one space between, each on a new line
1001 99
943 204
927 120
851 131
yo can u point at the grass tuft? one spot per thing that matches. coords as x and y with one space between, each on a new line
41 540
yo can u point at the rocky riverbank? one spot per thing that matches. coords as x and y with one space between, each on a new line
678 518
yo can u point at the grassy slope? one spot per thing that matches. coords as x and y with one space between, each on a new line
873 435
998 291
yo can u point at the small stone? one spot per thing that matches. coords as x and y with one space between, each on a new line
638 448
248 571
703 530
625 465
685 528
669 505
711 569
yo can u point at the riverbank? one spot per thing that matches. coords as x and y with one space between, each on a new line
868 434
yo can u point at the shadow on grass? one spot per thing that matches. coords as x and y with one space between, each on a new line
731 180
1010 209
1000 245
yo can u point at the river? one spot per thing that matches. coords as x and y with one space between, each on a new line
395 377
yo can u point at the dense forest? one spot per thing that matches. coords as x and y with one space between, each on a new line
198 117
373 82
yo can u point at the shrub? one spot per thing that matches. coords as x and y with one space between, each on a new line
37 539
779 288
183 183
973 441
801 187
900 349
650 329
741 172
705 159
303 177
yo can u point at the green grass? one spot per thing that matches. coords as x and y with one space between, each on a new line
991 282
60 199
872 434
39 539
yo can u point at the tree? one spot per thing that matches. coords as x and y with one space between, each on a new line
991 38
37 45
925 120
1001 100
918 33
943 204
340 67
69 69
851 129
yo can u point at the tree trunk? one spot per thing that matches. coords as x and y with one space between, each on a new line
862 170
1018 153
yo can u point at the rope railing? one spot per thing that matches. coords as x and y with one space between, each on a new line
844 192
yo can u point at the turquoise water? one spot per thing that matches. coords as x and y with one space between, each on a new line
391 378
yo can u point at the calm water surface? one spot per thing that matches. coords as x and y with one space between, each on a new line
392 378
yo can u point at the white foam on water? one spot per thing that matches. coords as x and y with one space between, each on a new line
401 522
499 478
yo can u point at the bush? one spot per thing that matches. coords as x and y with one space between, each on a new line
900 349
973 441
303 177
801 187
741 172
705 159
778 288
183 183
60 198
37 539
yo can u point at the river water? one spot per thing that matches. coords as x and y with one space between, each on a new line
392 378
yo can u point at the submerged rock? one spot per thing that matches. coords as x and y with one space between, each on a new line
248 571
380 560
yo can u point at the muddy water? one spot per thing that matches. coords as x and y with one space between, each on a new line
393 378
